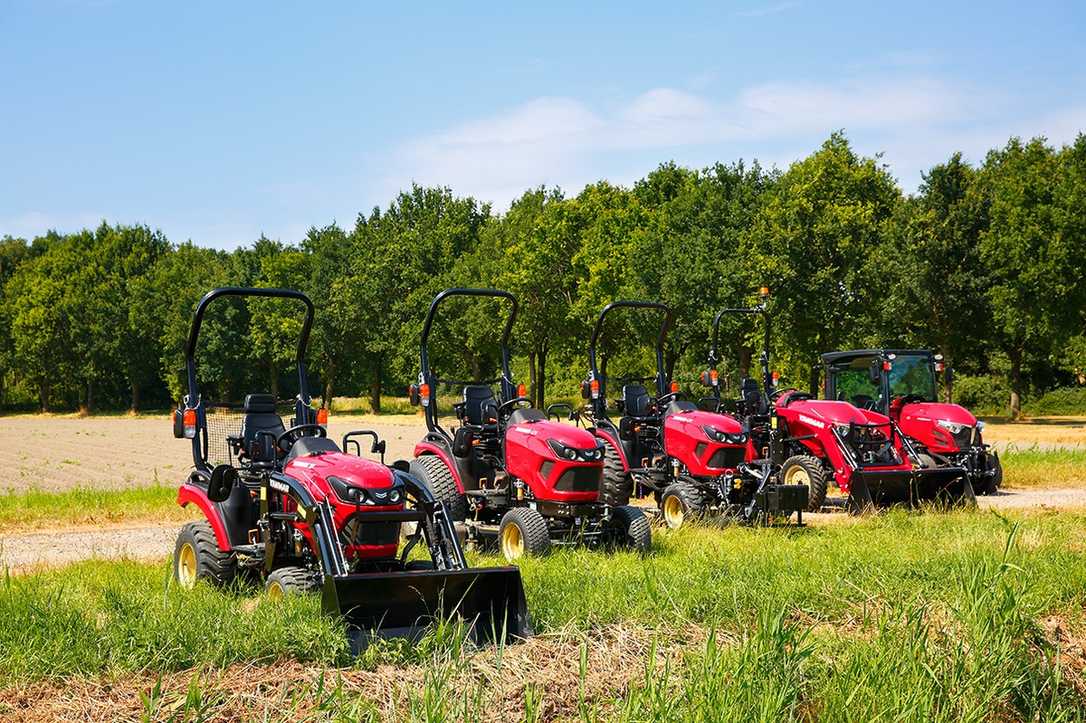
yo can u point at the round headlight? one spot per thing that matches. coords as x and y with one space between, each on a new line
394 496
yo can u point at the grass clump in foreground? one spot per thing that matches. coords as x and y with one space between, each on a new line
1036 467
85 505
904 616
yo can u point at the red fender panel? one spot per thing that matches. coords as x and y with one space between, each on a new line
429 448
608 438
191 493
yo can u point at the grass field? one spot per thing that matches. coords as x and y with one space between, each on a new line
963 616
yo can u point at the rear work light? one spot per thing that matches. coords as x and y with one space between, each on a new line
190 423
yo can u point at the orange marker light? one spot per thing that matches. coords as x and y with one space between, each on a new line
674 387
764 291
776 375
322 416
424 394
595 386
189 420
522 390
714 376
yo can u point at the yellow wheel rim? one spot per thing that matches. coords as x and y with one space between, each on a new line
276 591
674 514
797 476
186 566
512 542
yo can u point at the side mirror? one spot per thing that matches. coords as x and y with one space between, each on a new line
378 447
874 372
586 389
178 423
223 479
413 394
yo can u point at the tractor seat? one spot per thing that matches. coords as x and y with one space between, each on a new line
260 416
752 396
479 404
635 400
526 414
305 446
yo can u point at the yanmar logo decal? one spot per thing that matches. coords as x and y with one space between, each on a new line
813 422
525 430
677 418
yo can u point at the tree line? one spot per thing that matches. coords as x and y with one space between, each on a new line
984 263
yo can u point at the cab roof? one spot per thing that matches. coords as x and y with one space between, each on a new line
847 356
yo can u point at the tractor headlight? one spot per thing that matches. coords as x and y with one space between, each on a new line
843 429
980 426
952 427
562 451
348 492
724 437
395 496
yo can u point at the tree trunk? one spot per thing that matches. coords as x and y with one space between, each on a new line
135 408
745 356
541 377
326 400
532 382
816 374
273 379
1016 383
88 402
375 389
43 396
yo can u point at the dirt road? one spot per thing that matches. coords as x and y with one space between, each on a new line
24 552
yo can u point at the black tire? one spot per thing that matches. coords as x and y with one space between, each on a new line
434 473
682 501
285 581
196 556
615 486
991 485
630 529
523 531
805 469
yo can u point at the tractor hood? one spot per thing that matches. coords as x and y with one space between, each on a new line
545 430
828 411
931 412
355 471
722 422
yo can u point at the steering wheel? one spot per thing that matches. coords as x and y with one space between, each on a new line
294 432
670 396
511 402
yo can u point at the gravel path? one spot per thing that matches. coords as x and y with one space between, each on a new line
24 552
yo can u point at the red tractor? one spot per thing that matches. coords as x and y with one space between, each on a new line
507 472
695 462
818 441
901 384
286 505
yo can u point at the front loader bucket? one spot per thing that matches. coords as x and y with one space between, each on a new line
490 602
882 488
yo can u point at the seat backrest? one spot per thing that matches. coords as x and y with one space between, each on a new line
752 397
260 416
479 404
635 400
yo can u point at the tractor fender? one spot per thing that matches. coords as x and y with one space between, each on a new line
191 493
609 438
425 447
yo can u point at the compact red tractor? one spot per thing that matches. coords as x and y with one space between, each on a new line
901 384
510 474
818 441
288 506
695 462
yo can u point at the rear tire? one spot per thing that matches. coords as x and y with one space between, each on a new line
286 581
615 485
991 484
434 473
630 528
808 470
681 502
196 556
523 531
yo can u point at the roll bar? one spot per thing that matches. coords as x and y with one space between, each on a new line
760 308
661 337
193 401
426 375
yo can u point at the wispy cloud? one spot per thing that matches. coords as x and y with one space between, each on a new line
774 9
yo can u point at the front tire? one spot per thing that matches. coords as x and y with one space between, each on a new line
681 502
803 469
436 475
196 556
523 531
287 581
630 529
991 484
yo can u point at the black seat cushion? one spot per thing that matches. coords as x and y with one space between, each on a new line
635 400
479 404
260 416
312 445
752 397
526 414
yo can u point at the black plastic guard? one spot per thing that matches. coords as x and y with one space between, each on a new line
489 600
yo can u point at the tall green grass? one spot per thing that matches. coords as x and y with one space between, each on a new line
85 505
904 616
1037 467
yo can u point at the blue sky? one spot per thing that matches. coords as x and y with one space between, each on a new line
217 122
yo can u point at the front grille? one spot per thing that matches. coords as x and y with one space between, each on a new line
870 445
579 479
728 457
964 438
359 532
